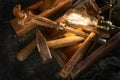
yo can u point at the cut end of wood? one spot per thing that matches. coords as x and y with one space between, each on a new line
63 74
20 58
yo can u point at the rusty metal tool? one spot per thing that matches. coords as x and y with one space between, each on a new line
27 50
43 47
96 55
78 55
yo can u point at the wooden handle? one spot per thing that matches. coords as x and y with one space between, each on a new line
63 42
77 56
26 51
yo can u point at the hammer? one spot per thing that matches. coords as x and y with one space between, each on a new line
27 50
43 48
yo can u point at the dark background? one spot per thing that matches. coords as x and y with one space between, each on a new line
32 69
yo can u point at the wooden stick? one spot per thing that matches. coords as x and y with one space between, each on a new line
63 42
77 56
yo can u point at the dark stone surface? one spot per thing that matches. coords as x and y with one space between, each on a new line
32 69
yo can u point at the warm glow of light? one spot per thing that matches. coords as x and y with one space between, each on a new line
77 19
